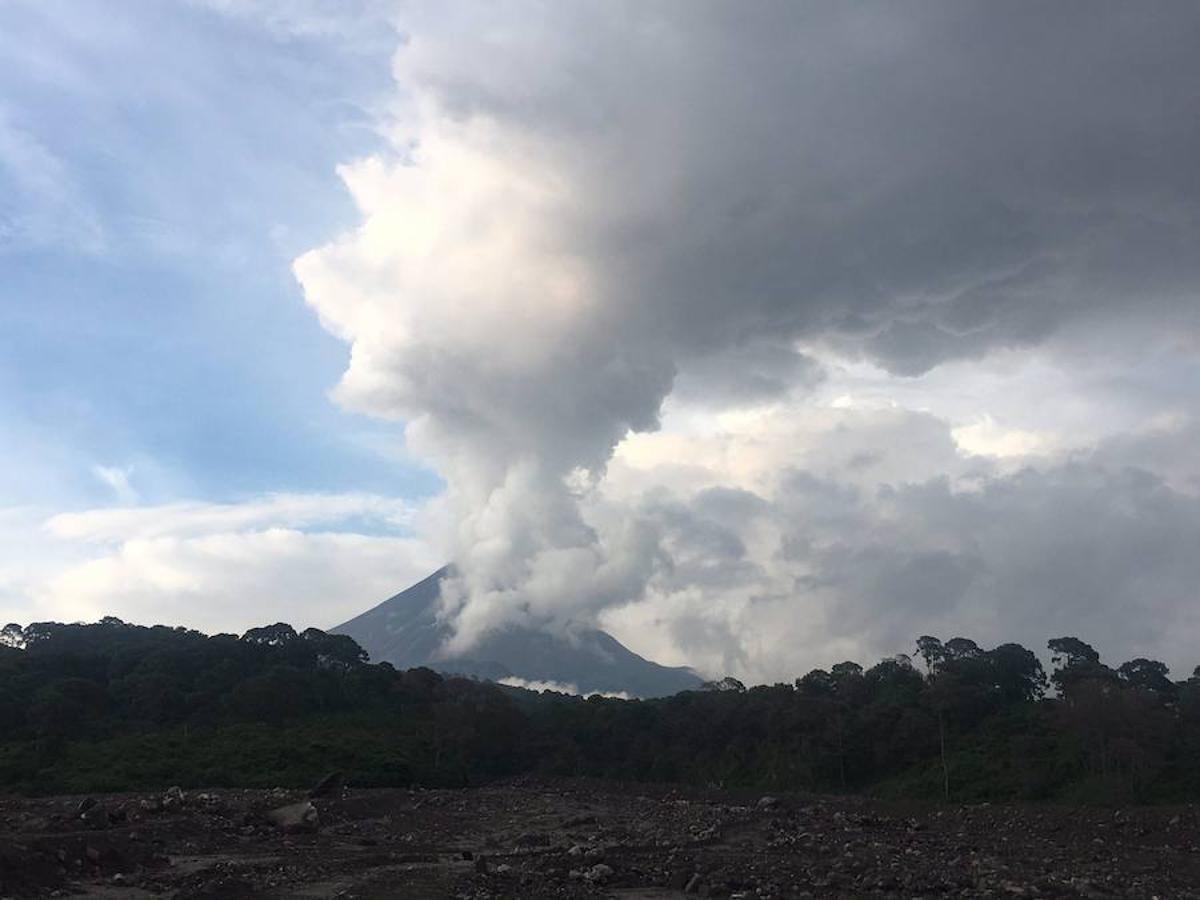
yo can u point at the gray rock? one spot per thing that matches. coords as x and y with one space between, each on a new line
329 786
598 874
95 816
173 798
295 817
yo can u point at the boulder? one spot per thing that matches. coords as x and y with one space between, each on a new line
295 817
96 815
173 798
329 786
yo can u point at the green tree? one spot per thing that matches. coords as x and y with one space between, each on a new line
931 650
1018 675
1147 675
1077 668
277 635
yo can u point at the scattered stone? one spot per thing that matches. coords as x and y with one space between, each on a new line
768 802
225 846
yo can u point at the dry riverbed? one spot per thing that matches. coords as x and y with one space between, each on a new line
540 839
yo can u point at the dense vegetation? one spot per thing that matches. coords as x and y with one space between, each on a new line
111 706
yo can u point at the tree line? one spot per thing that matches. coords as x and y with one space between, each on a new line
113 706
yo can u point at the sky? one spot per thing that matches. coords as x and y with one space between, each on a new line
761 336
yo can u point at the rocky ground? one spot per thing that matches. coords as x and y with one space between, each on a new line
542 839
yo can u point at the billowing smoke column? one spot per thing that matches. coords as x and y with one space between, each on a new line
588 206
475 316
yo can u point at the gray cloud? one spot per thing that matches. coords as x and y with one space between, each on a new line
754 372
591 210
925 183
1076 547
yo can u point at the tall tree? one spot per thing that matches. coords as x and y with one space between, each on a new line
931 650
1148 675
1018 675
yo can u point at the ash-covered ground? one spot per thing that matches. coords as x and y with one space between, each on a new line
541 839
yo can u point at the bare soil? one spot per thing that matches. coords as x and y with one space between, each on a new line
541 839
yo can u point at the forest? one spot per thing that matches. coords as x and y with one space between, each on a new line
112 706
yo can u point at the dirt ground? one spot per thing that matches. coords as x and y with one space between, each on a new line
541 839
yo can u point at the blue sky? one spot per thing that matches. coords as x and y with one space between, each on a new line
161 164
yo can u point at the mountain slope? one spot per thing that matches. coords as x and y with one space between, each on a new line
405 632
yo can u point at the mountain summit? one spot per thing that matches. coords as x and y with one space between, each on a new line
404 631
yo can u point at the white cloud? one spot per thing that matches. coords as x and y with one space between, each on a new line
232 581
299 558
814 565
118 481
190 519
985 437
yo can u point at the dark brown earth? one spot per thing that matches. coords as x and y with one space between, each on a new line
541 839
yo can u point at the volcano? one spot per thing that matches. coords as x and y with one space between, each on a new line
404 630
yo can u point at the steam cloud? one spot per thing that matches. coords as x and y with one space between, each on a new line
595 215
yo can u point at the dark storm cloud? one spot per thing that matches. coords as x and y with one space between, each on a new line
923 182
